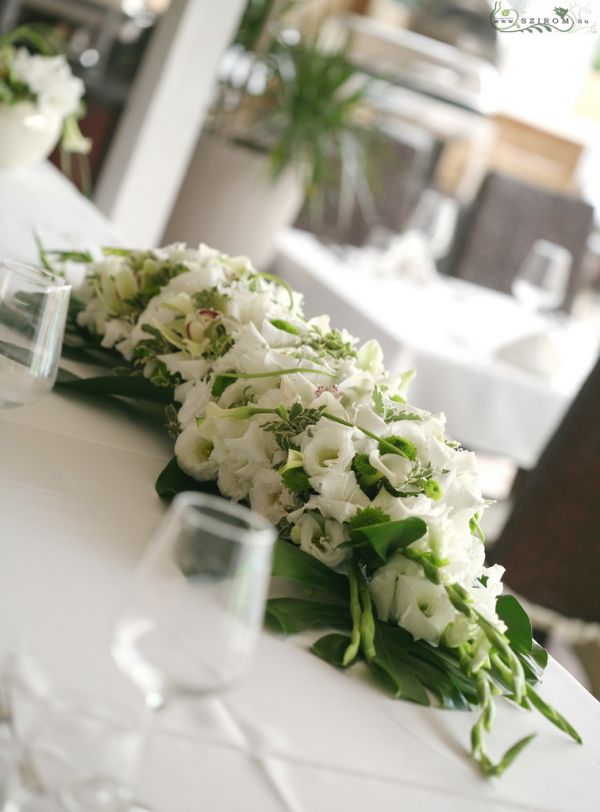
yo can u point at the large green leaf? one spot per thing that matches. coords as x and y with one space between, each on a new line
172 480
391 670
518 630
293 615
127 386
332 648
389 537
292 563
78 347
533 664
436 668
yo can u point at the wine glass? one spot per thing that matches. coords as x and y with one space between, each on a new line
434 217
33 311
193 614
543 279
70 750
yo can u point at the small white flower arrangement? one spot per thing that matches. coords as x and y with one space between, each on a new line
40 99
377 511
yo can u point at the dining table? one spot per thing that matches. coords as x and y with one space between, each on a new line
503 374
78 509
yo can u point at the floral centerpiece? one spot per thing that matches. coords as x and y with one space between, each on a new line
378 512
40 100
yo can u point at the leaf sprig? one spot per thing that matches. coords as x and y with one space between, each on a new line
291 423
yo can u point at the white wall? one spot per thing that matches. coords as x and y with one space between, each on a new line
163 118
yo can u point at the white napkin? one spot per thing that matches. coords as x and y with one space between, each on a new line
407 256
537 353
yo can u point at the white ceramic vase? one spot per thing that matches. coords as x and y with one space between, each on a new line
229 201
26 134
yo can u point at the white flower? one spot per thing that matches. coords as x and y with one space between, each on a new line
252 452
230 484
394 467
403 594
190 369
115 330
370 358
339 496
320 538
194 404
269 497
193 451
330 446
50 79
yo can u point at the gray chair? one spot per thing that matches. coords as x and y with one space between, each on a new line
551 542
507 217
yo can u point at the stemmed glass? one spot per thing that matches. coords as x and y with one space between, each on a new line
33 311
543 279
434 217
189 628
193 614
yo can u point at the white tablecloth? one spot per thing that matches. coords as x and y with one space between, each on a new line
449 332
76 510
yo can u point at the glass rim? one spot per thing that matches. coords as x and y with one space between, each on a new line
257 531
28 272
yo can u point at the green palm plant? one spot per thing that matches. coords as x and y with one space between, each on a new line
310 113
319 113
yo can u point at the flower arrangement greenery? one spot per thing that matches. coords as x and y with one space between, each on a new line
377 510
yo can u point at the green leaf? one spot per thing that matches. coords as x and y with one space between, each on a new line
79 347
552 715
512 753
492 770
172 480
128 386
437 669
389 537
533 664
293 615
518 630
390 669
292 563
332 648
221 383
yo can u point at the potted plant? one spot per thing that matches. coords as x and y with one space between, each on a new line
40 99
288 112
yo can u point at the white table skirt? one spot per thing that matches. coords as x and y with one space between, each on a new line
448 332
77 508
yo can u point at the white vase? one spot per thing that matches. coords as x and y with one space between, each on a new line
229 201
26 134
